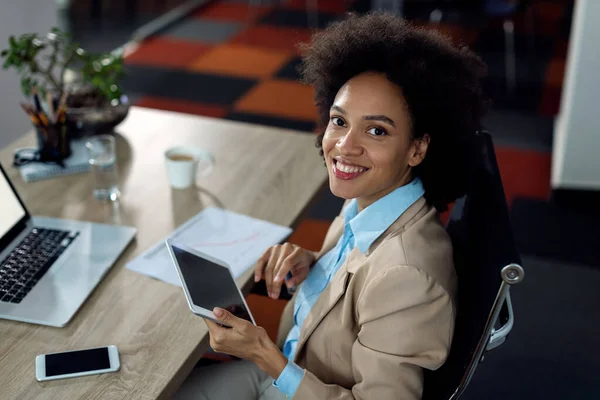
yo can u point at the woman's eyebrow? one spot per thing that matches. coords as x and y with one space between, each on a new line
381 118
338 109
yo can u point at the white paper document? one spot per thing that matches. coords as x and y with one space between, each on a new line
236 239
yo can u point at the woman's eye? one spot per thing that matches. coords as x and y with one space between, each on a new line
377 132
337 121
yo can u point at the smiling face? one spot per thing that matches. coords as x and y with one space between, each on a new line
367 144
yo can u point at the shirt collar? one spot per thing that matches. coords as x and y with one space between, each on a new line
371 222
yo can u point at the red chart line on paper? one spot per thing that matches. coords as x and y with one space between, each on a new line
246 239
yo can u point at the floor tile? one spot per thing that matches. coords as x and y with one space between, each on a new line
548 11
555 307
310 234
165 52
299 19
555 72
279 97
241 60
550 102
280 38
204 31
524 173
547 230
327 207
326 6
494 41
526 97
520 130
290 70
184 85
458 34
235 12
266 312
189 107
269 120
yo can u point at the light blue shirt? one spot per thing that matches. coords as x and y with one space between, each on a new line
360 230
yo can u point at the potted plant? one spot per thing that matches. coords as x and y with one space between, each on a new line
93 101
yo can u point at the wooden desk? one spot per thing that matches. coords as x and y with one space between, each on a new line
260 171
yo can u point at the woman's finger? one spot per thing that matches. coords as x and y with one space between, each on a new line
261 264
282 269
289 261
286 250
268 271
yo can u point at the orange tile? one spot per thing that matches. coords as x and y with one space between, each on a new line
241 61
524 173
279 38
266 312
240 12
310 234
182 106
555 72
446 214
280 98
166 52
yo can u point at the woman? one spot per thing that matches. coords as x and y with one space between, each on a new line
400 107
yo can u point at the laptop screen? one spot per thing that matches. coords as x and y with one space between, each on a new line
11 210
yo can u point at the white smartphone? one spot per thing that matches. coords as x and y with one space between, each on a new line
71 364
207 283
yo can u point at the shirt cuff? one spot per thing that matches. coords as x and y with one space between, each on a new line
289 379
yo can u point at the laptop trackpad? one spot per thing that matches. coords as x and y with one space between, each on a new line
76 275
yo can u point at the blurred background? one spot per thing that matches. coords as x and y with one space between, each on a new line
237 60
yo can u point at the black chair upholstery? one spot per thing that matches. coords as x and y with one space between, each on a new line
483 244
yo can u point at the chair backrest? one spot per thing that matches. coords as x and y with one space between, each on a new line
483 244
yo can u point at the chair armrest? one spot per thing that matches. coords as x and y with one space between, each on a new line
499 335
511 274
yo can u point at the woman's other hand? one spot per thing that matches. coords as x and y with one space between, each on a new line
274 265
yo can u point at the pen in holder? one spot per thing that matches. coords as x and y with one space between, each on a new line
54 143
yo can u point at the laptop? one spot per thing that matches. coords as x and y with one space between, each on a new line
49 266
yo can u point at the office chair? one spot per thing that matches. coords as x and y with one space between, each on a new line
487 264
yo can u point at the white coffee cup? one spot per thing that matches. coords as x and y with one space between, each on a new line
184 164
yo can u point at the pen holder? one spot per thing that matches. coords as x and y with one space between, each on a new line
53 142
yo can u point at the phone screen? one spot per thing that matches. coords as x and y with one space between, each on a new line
77 361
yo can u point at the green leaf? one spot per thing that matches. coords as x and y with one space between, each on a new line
26 86
4 53
12 41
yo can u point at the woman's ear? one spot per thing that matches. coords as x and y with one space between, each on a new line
419 150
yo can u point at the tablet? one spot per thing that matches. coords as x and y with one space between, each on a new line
207 283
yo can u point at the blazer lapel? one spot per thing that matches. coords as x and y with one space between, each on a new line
328 298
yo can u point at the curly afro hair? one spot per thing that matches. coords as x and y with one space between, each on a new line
440 83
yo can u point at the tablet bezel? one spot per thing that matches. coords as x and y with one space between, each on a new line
200 311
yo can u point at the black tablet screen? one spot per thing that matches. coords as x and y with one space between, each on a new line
210 285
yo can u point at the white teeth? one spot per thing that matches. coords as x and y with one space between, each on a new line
348 169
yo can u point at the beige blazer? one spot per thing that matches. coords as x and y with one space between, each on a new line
384 316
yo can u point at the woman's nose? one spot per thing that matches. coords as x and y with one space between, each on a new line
349 144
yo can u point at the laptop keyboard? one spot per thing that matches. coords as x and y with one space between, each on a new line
29 261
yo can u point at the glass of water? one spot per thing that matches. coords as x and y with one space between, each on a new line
103 166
